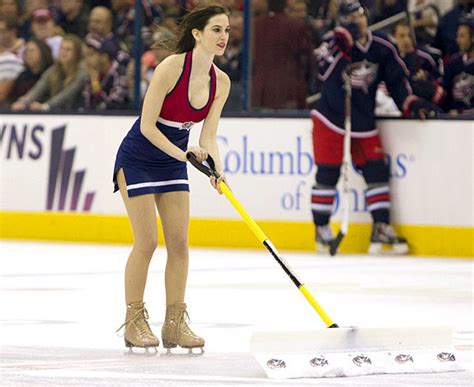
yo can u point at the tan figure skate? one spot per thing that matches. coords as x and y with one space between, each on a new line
176 331
137 331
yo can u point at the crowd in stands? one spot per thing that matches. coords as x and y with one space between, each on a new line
78 54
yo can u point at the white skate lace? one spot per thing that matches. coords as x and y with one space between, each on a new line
187 320
141 325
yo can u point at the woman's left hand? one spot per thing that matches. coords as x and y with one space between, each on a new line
216 182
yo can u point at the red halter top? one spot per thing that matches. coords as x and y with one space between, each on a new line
177 110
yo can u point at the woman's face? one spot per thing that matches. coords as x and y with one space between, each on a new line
66 52
215 35
32 55
43 29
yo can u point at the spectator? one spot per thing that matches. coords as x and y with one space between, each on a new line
107 81
459 77
37 58
425 16
282 60
44 28
60 86
30 7
10 40
445 38
11 64
101 24
100 21
73 17
10 8
425 74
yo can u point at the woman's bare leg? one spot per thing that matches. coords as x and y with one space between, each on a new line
142 214
173 208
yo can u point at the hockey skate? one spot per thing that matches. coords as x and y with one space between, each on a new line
384 239
324 238
137 331
176 331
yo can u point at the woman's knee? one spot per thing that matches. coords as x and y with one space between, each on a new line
177 245
146 245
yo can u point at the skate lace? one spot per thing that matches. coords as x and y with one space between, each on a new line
141 324
185 321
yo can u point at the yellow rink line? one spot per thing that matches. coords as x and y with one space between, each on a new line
72 227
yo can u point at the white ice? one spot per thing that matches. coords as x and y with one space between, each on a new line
61 304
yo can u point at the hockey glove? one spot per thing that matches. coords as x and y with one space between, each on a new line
422 109
343 41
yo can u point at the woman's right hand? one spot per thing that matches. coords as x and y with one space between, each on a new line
200 153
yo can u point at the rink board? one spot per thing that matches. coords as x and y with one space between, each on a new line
56 183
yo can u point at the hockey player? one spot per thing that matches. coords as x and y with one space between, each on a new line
370 58
459 77
425 67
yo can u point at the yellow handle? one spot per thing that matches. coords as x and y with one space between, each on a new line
233 200
315 305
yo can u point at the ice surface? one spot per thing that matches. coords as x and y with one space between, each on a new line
61 304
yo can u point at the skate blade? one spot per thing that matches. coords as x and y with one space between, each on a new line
387 249
183 352
141 351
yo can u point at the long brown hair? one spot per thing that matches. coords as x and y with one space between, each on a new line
196 19
46 57
68 76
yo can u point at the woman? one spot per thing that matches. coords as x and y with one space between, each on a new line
150 170
60 87
37 58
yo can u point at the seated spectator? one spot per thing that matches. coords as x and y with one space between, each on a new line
101 24
445 38
425 74
25 21
10 8
44 28
107 80
73 17
459 74
11 65
425 17
37 58
60 86
10 40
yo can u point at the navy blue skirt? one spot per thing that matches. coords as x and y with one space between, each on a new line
147 169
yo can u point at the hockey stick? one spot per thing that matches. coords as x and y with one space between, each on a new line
346 164
257 231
